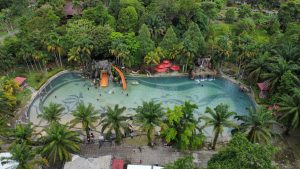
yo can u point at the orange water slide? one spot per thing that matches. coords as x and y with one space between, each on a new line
104 79
122 77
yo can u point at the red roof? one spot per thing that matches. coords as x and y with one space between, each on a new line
20 80
117 164
160 66
263 86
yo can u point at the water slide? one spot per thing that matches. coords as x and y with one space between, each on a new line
104 79
122 77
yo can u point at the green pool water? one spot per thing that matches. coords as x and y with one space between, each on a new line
70 89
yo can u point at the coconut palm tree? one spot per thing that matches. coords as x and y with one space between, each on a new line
257 125
219 119
25 156
290 107
86 115
115 121
59 143
52 113
149 115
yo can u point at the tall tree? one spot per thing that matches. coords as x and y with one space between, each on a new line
241 153
290 106
180 127
59 143
149 116
257 125
52 113
146 43
169 41
115 122
127 19
219 118
86 115
25 156
193 42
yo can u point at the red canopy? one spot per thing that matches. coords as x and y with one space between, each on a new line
160 66
167 64
161 70
166 61
20 80
117 164
175 68
263 86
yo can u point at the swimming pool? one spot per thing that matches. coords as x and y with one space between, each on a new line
70 89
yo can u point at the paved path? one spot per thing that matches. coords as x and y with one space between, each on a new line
150 156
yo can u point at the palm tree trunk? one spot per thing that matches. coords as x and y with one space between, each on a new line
40 66
56 60
61 65
215 139
37 69
27 65
31 65
149 136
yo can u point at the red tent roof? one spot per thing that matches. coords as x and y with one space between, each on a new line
166 61
161 70
160 66
20 80
167 64
263 86
117 164
175 68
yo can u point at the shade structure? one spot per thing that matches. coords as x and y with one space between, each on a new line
117 164
175 68
160 66
20 80
166 61
167 64
161 70
263 86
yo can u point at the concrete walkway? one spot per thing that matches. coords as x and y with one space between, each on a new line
149 156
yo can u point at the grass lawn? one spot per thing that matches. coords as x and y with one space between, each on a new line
37 79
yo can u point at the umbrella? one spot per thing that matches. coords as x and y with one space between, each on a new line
160 66
166 61
167 64
175 68
160 70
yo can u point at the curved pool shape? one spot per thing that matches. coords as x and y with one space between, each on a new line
70 89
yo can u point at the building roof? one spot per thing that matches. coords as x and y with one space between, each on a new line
103 162
20 80
263 86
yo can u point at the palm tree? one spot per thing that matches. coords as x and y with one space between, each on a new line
52 113
218 119
23 133
149 115
290 106
59 143
257 125
114 121
288 51
86 115
276 70
25 156
154 57
256 67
